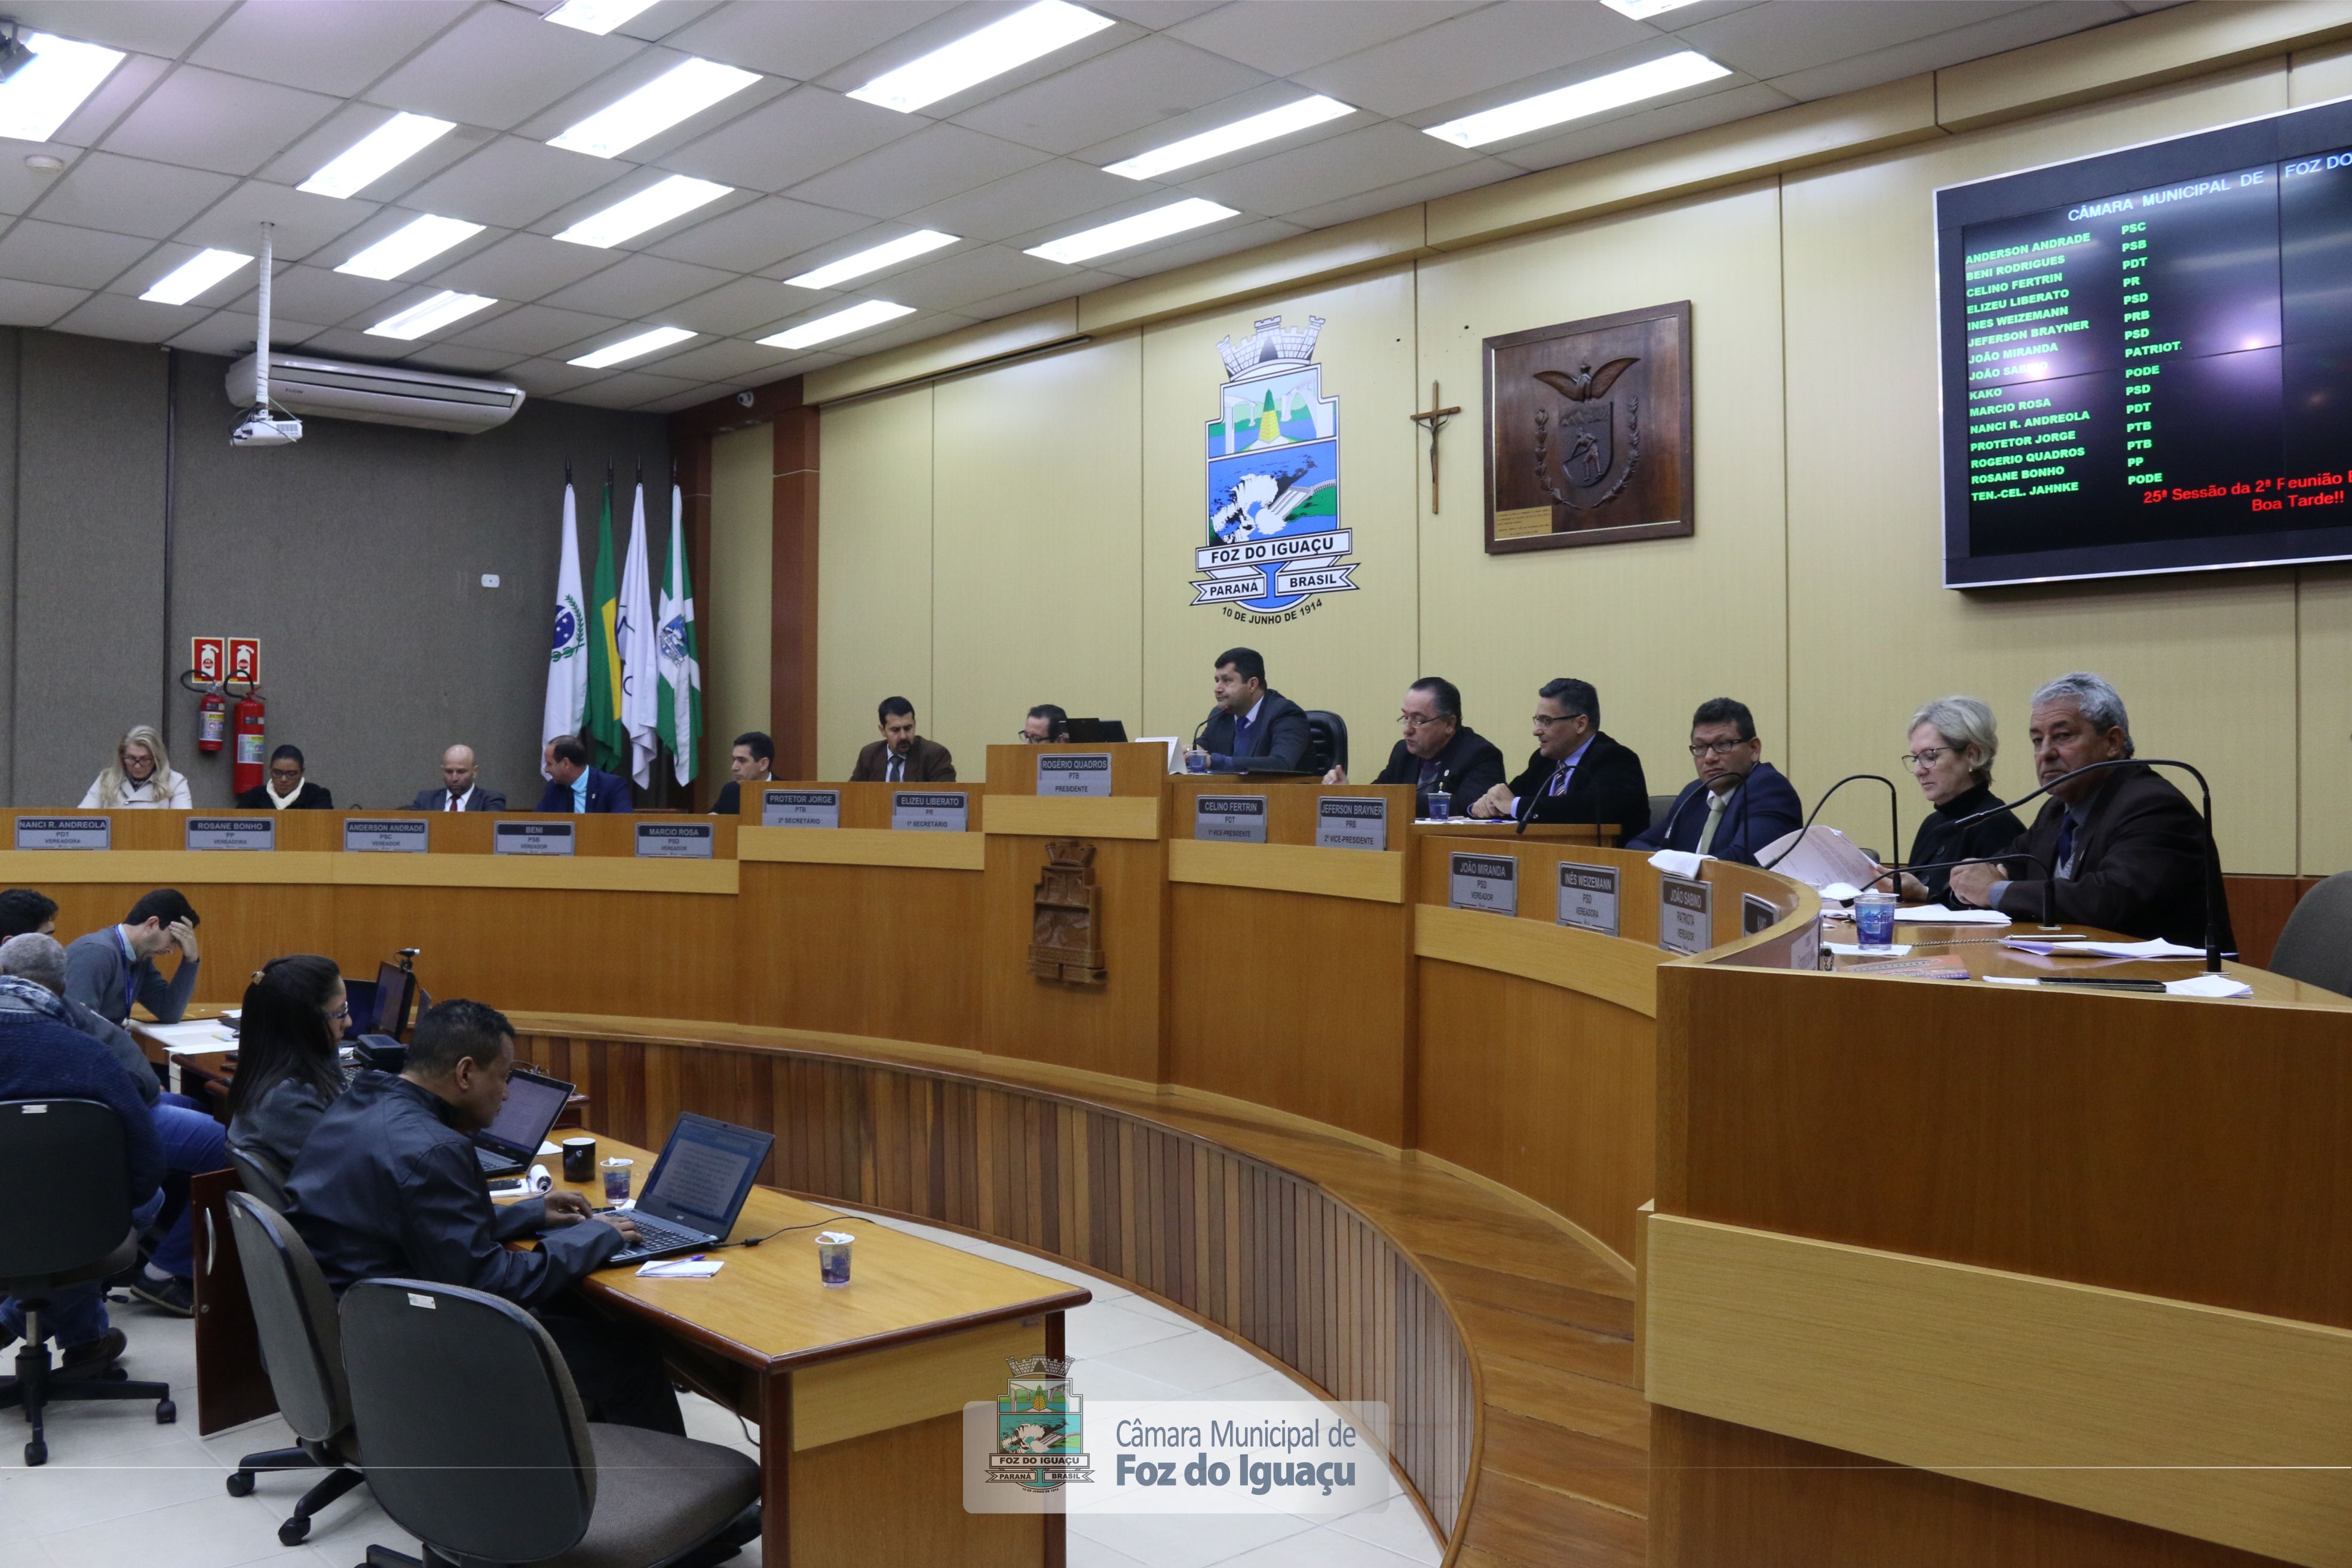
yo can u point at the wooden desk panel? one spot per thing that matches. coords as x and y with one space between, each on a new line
860 949
863 806
1115 1027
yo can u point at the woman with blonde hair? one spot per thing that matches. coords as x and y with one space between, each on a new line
140 777
1953 743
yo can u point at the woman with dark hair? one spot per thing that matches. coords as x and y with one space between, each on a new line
286 1073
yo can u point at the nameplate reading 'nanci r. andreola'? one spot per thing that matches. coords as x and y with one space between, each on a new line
232 833
533 839
1230 819
929 812
800 807
1351 822
1488 883
1074 773
1685 922
65 832
1588 897
386 835
675 841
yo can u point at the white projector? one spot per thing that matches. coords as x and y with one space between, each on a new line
259 427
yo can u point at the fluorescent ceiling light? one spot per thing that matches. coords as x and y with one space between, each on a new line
1582 99
431 315
1127 233
678 93
51 85
632 347
411 245
1001 45
649 208
377 153
193 276
1231 137
602 16
840 324
890 252
1640 10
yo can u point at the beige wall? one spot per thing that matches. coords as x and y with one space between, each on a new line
735 671
1065 494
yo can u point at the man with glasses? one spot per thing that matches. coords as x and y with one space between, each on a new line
1046 726
1576 773
1437 748
1739 800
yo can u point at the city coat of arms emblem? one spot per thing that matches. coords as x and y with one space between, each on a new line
1274 539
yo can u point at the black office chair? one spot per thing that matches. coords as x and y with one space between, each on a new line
1327 741
80 1231
261 1176
1661 807
2316 946
475 1443
302 1348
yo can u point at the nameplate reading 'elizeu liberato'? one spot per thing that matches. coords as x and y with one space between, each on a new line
915 811
1351 822
800 807
1233 819
232 833
533 839
675 841
1074 773
65 832
1490 883
386 835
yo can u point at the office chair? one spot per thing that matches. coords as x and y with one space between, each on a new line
475 1444
302 1348
1327 741
1661 807
259 1176
80 1232
2316 946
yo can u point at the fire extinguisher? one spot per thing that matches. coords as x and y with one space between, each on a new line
246 720
212 720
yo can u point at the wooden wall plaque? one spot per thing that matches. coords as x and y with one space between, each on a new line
1066 942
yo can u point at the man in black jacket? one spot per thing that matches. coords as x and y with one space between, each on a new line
1253 724
389 1185
1577 773
1437 747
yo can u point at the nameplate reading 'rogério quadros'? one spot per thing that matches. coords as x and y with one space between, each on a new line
533 839
386 836
916 812
675 841
1685 922
232 832
1490 883
65 832
1588 897
1233 819
800 807
1074 773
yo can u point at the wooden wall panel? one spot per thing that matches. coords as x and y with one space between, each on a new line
855 949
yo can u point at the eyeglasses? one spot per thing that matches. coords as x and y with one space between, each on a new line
1545 721
1716 747
341 1015
1419 721
1928 759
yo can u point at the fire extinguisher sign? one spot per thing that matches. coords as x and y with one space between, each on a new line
244 659
207 657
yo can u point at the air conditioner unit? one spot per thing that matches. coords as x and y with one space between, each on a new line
378 394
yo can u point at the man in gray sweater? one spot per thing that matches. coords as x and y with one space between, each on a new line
108 970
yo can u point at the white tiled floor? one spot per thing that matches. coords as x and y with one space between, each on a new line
119 1491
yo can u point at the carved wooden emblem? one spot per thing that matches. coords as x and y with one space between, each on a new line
1066 942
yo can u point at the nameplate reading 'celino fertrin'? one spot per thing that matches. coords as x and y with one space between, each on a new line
675 841
1233 819
1490 883
800 807
65 832
919 811
1588 897
1074 773
1351 822
533 839
232 832
1684 923
386 836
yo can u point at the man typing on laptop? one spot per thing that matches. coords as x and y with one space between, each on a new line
389 1185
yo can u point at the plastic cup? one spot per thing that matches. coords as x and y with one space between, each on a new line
579 1159
833 1256
1440 805
616 1180
1873 919
1194 762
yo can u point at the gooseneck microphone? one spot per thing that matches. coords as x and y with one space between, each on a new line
2048 883
2213 869
1894 825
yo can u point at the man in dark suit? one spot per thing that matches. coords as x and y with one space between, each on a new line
1252 722
461 787
1738 802
1577 773
573 786
286 790
754 761
902 757
2128 851
1437 747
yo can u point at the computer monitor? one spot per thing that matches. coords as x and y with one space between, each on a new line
1098 731
394 991
534 1103
705 1172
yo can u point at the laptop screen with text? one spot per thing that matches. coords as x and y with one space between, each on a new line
534 1103
704 1174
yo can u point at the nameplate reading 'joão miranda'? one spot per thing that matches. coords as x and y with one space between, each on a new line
65 832
917 811
386 835
1490 883
533 839
1351 822
232 832
1074 773
675 841
800 807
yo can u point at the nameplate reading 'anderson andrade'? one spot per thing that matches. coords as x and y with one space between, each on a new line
386 835
1588 897
675 841
1232 819
65 832
917 811
1684 924
800 807
1351 822
1490 883
1074 773
533 839
232 832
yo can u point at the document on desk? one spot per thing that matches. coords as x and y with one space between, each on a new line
680 1269
1938 914
2065 948
199 1038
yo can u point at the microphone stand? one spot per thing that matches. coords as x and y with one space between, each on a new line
2212 870
1894 825
2049 906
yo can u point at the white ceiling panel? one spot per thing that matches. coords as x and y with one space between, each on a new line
35 304
336 343
304 222
698 394
1218 239
1273 94
928 166
209 120
20 188
513 182
327 45
233 333
745 308
1471 173
724 360
343 132
1155 12
160 263
2014 30
1285 36
534 329
1148 82
1769 41
1320 171
125 316
1592 139
464 362
1058 192
1076 280
128 196
499 66
525 267
648 63
389 220
1474 52
790 139
131 80
759 234
552 378
804 39
36 252
637 286
636 182
965 277
916 41
906 329
628 389
315 294
163 27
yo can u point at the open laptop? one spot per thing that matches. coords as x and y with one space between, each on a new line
508 1145
698 1187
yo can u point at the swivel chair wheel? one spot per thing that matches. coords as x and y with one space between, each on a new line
165 1412
240 1483
294 1531
37 1452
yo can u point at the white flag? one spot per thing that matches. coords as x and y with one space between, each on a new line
638 640
567 660
681 720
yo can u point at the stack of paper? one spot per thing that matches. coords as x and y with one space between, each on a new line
680 1269
2209 986
197 1039
1823 859
2068 946
1938 914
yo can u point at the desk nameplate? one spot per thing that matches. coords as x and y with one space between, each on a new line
920 812
1489 883
676 841
1067 773
65 832
1351 822
1229 819
800 807
1588 897
252 834
386 835
534 839
1685 918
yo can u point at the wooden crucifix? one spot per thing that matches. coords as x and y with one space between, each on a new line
1437 419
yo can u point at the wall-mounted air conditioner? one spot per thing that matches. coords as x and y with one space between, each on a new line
378 394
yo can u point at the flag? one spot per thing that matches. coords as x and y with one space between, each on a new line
638 640
679 720
608 743
567 661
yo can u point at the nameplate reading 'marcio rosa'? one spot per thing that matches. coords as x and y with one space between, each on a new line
675 841
386 836
1074 773
915 811
1588 897
232 832
800 807
1685 923
65 832
533 839
1490 883
1233 819
1351 822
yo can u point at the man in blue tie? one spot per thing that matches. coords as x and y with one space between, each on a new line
1578 773
1252 727
573 786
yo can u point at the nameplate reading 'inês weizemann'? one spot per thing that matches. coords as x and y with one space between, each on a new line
1588 897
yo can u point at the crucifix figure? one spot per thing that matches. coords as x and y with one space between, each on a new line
1437 419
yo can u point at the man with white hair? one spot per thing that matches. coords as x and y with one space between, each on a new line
2126 850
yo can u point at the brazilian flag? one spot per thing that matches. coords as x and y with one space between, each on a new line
607 738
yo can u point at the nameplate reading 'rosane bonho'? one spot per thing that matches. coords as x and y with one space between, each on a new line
232 833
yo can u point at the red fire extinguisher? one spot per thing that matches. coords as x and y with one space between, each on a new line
212 720
246 720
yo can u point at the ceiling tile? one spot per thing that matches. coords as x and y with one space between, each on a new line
338 343
499 66
129 196
678 401
450 357
524 266
661 20
1590 141
233 333
164 28
1224 112
804 39
1223 239
746 306
36 252
208 120
2012 31
650 62
35 304
114 98
389 220
628 388
1389 198
637 286
1769 40
914 43
760 234
790 139
1050 192
304 222
534 329
636 183
928 166
1147 81
1284 37
326 46
907 330
964 278
160 262
341 132
1154 12
20 188
1475 53
547 378
1320 171
719 361
121 316
1076 281
315 294
513 182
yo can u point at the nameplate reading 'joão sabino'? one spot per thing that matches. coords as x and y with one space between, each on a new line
1686 924
65 832
915 811
1490 883
800 807
532 838
386 836
1351 822
675 841
1235 819
1074 773
232 832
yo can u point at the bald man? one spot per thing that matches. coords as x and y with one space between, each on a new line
461 789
